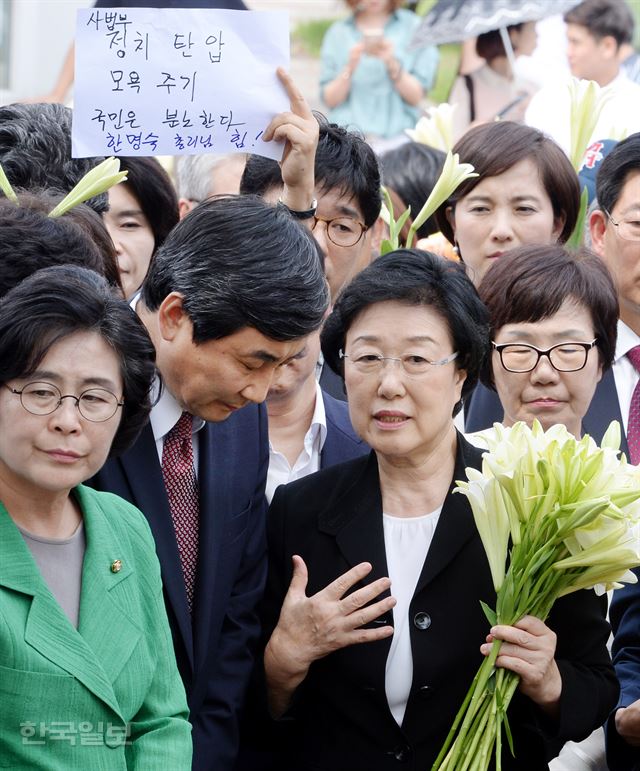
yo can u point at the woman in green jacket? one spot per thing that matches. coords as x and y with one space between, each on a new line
88 678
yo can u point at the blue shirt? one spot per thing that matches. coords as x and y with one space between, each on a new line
373 104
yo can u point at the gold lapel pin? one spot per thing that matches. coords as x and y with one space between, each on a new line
116 566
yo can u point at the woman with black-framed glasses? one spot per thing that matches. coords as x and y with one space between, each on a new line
88 677
553 327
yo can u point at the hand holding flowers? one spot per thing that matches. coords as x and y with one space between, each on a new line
563 513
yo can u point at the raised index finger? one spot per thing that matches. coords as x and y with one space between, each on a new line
338 588
297 101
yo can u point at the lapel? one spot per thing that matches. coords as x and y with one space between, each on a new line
101 617
214 507
47 628
604 408
341 443
142 470
355 520
456 525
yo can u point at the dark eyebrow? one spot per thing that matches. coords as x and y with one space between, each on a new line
128 213
264 356
412 339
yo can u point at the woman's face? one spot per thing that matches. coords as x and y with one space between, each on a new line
401 417
545 393
500 213
132 236
53 453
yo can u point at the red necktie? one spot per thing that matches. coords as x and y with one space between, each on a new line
633 426
181 485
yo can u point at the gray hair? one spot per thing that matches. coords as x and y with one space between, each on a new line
194 172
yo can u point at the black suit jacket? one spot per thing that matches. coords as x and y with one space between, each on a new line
625 622
483 409
340 720
342 442
332 384
214 649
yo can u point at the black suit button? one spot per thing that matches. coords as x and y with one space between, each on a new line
425 691
402 753
422 621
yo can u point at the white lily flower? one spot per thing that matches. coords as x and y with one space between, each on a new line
452 175
97 180
436 130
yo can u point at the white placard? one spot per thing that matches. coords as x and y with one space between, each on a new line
172 81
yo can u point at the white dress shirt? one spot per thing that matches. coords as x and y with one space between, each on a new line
280 471
164 415
406 543
624 373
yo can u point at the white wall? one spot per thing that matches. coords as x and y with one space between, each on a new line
41 32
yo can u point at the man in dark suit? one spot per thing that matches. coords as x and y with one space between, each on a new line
308 429
219 307
623 727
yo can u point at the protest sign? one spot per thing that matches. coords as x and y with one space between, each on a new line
177 81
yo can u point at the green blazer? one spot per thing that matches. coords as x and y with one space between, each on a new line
108 694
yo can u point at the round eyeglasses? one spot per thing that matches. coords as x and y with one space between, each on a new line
342 231
628 230
412 364
563 357
94 404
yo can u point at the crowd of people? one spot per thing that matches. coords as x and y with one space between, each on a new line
232 427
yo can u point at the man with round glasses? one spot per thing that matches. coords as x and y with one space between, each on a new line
343 216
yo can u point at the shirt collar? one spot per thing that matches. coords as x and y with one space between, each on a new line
319 419
166 413
627 339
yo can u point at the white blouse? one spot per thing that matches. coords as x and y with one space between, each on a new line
406 541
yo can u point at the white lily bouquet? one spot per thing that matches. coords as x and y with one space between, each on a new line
564 514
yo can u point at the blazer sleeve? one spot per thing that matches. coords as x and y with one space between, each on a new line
216 725
160 732
625 621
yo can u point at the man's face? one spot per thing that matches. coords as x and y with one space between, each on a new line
292 376
214 378
588 56
621 256
342 263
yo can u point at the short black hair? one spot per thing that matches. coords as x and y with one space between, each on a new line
416 278
35 150
493 148
530 283
344 162
412 170
260 175
31 240
604 18
57 302
150 185
347 164
614 170
238 262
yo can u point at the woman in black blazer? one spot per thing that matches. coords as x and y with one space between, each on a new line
372 610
